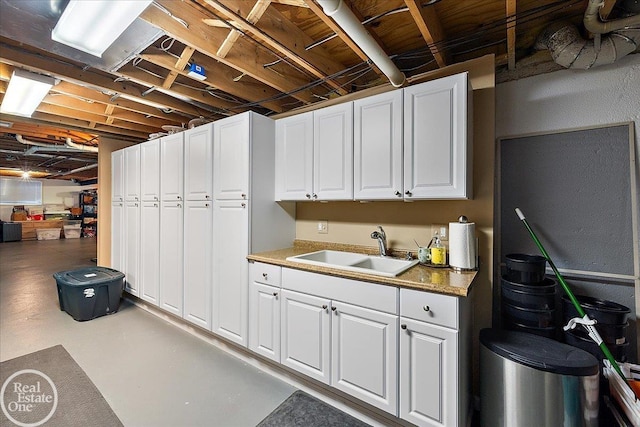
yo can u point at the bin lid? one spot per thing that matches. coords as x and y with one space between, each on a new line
88 276
539 352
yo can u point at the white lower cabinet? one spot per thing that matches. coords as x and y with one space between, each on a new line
364 347
264 310
150 253
306 334
171 256
342 332
132 247
198 253
434 374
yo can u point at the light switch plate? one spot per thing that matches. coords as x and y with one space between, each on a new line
323 227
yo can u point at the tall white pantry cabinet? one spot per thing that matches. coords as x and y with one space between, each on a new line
215 206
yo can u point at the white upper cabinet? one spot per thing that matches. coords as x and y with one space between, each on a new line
117 176
198 159
294 157
437 143
314 155
172 166
150 171
333 153
132 173
231 144
377 147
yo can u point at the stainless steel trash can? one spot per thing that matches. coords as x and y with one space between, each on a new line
528 380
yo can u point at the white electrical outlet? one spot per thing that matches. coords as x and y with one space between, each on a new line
323 227
442 231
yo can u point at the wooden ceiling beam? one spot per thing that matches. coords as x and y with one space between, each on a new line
247 58
511 34
72 73
181 63
277 32
428 22
223 78
254 15
340 33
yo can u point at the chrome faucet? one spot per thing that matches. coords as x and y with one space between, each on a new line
382 240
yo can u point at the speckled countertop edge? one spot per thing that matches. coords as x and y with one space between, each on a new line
420 277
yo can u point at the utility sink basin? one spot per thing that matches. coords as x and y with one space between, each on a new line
369 264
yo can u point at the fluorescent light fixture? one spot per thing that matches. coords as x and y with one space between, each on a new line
93 26
25 92
197 72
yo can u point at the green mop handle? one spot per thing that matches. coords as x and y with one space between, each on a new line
572 297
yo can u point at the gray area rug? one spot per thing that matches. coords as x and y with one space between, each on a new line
49 388
303 410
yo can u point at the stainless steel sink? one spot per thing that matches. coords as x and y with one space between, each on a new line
369 264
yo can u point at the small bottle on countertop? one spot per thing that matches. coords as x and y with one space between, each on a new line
438 252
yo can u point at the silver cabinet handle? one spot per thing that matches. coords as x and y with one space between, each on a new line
155 205
403 326
308 195
206 197
179 198
135 204
426 308
334 309
244 196
264 275
275 294
399 194
324 306
315 196
244 205
408 193
206 205
179 205
155 198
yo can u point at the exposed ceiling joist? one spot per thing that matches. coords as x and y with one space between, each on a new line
430 27
181 63
511 33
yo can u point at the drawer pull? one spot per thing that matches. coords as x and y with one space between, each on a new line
403 326
275 294
264 276
334 309
408 193
426 308
399 194
324 306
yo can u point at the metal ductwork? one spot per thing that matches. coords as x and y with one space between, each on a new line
352 26
569 49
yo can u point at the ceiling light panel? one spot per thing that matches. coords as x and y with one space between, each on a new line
25 92
93 26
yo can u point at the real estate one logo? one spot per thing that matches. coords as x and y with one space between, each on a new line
28 398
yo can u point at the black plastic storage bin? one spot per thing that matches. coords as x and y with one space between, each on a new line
90 292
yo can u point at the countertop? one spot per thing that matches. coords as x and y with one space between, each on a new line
420 277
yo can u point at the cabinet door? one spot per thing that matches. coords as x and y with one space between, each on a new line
171 256
172 166
132 247
117 176
150 171
306 334
231 157
264 320
198 161
198 246
428 374
333 152
132 173
437 154
377 147
117 236
231 271
150 255
294 157
364 347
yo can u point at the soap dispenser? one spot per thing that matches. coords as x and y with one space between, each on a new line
438 252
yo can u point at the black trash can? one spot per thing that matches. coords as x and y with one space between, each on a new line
90 292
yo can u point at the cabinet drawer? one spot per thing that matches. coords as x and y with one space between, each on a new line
428 307
265 273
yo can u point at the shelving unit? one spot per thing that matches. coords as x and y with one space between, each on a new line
89 206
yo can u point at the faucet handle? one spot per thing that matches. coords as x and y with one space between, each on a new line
384 235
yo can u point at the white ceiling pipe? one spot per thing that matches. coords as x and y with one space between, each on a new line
352 26
80 147
593 23
68 147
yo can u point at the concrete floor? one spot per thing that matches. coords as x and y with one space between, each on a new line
151 372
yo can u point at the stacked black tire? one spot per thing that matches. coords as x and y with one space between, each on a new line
528 299
611 324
